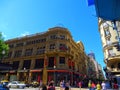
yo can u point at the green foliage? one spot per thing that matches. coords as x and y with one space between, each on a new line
3 47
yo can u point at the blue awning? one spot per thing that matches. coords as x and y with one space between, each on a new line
90 2
108 9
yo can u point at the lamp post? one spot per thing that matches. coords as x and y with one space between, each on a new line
3 52
54 75
24 74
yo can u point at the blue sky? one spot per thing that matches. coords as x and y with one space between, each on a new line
21 17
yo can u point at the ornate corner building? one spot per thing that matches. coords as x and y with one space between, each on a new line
110 41
64 58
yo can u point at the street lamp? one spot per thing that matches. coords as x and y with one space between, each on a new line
24 74
3 52
54 75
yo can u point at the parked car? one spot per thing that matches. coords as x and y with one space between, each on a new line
35 84
27 84
2 87
16 84
4 82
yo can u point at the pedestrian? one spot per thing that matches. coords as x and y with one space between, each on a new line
40 83
89 84
62 85
80 85
44 87
98 86
103 85
93 86
67 88
107 83
115 86
67 85
51 87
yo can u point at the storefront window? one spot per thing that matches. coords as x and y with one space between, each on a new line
15 65
62 60
27 64
51 62
39 63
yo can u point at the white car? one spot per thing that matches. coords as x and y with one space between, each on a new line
16 84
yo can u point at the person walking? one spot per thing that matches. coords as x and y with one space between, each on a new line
80 85
44 87
93 86
115 86
67 85
103 85
61 84
89 84
51 87
108 86
98 86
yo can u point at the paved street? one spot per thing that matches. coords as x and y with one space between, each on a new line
57 88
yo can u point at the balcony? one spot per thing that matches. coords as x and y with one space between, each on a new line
108 45
112 55
113 69
50 51
63 48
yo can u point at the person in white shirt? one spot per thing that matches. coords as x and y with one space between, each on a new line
103 85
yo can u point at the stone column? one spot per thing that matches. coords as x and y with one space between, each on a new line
32 64
30 77
6 76
18 75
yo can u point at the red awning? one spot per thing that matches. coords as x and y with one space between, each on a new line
58 71
35 70
12 71
51 71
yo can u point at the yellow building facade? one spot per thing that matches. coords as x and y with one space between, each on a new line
53 52
110 40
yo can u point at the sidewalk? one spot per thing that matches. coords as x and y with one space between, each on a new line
58 88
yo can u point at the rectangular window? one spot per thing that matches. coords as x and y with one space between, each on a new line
52 46
53 36
40 50
51 62
107 32
27 64
111 53
18 53
62 37
62 47
108 41
19 44
62 60
9 54
15 65
11 45
28 52
39 63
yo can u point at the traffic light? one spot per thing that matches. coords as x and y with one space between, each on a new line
117 47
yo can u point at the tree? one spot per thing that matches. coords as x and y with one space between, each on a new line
3 47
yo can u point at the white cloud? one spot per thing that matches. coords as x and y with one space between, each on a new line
25 33
3 34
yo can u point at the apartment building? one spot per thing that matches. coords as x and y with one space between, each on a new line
110 41
64 58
